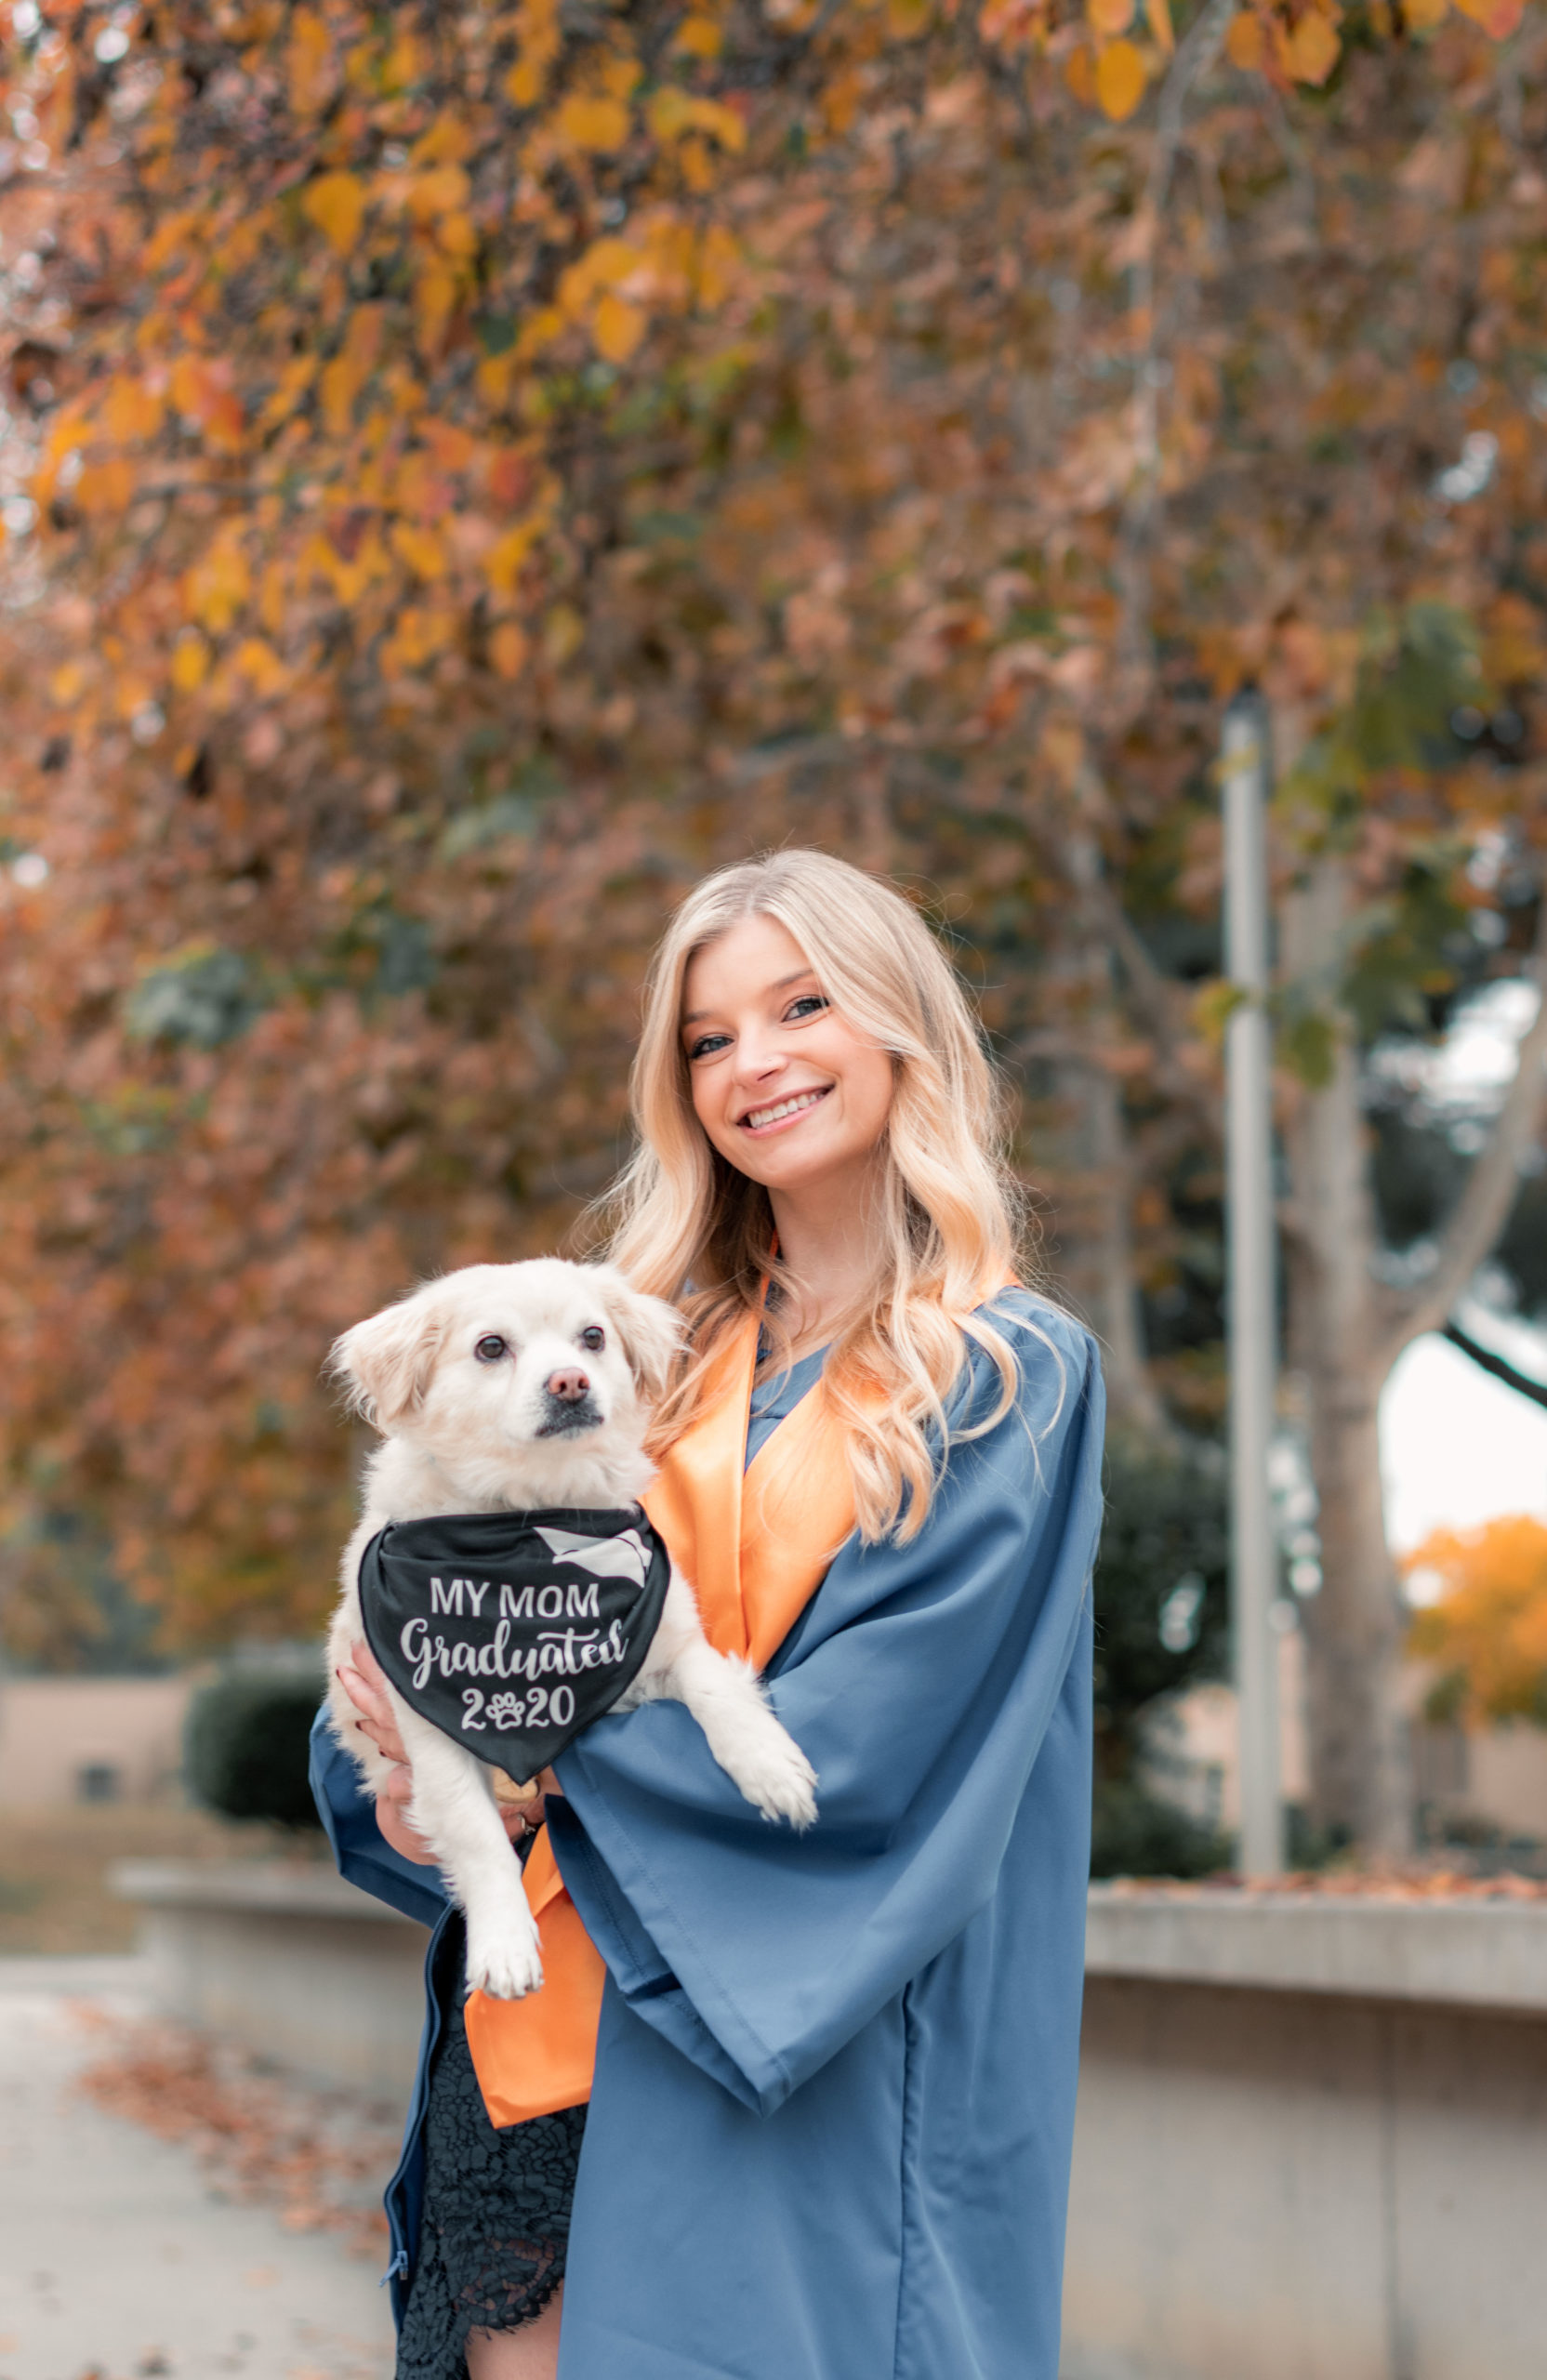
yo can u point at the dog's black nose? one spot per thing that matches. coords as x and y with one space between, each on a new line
569 1386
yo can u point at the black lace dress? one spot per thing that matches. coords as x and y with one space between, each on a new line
496 2209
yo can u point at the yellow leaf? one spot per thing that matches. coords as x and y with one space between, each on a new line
456 236
503 562
443 190
674 112
189 661
310 63
66 684
290 387
420 549
217 584
597 124
105 487
1420 15
700 36
509 647
527 80
617 328
1244 44
1159 14
1311 51
1120 80
1109 17
336 203
621 76
449 141
272 598
1080 74
261 665
1497 18
403 63
132 412
434 298
718 265
908 19
564 633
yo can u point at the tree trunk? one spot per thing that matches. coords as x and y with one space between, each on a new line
1354 1626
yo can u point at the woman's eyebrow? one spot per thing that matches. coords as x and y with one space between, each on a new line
696 1015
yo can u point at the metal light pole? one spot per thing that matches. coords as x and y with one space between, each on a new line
1252 1316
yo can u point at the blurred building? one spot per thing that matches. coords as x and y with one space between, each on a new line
67 1739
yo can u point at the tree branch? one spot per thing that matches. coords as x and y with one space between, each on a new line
1491 1186
1500 1366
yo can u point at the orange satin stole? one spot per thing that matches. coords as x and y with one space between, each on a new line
756 1541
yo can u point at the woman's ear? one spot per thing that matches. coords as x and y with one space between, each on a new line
651 1333
385 1364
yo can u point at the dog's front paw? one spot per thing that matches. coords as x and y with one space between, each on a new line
503 1961
777 1778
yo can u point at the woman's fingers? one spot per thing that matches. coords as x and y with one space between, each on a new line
363 1682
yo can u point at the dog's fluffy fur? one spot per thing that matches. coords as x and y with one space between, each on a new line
556 1419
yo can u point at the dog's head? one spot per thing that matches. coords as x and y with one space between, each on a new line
539 1374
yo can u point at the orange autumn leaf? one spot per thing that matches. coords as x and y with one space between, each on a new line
105 487
1080 74
1244 44
598 124
618 327
700 36
1487 1630
310 63
1109 17
336 203
1159 14
1311 51
1497 19
509 649
1120 80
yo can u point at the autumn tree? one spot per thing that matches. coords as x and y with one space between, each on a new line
472 468
1484 1623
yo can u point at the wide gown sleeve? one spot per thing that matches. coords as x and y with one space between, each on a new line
363 1854
920 1682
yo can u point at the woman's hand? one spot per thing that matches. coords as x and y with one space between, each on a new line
364 1682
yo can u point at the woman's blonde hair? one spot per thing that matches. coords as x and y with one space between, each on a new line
686 1225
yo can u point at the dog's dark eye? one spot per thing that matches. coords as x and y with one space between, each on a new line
593 1340
489 1350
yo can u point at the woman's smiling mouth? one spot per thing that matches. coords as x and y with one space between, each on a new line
781 1111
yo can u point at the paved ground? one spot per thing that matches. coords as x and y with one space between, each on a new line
115 2261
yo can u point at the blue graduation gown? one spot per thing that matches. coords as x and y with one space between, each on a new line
834 2105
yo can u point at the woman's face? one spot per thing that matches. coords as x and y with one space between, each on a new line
786 1091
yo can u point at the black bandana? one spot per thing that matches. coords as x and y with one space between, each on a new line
510 1631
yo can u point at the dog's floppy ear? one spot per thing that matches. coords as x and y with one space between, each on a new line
651 1333
385 1364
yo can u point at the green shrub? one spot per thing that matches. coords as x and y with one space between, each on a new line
246 1748
1134 1835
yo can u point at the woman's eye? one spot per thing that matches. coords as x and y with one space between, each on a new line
809 1004
490 1349
593 1340
706 1044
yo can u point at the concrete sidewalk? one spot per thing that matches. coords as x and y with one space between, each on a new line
115 2261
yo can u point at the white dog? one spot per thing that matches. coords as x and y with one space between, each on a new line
516 1387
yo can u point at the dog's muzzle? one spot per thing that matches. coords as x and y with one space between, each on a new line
564 1415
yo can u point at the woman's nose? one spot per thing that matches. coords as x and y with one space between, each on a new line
755 1060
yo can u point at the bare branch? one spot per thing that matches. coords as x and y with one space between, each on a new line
1491 1185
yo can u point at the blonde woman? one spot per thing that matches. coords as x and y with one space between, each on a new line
830 2076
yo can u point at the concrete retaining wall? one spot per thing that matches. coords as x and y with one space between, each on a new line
291 1962
1312 2141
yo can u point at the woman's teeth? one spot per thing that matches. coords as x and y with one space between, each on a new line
758 1116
